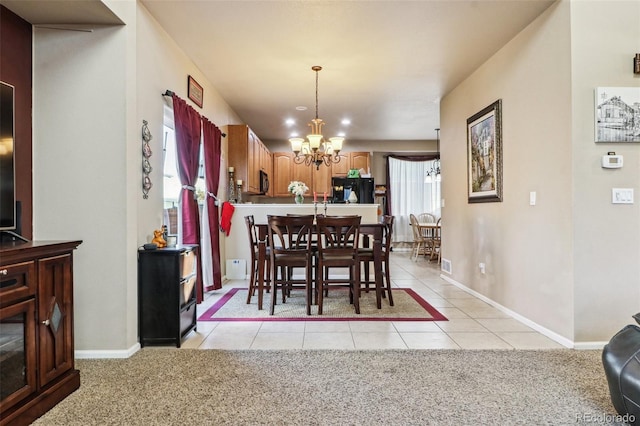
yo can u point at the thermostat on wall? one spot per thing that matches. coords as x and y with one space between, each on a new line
612 161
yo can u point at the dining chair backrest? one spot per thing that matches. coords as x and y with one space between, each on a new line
417 235
437 231
426 218
338 234
289 234
251 229
387 221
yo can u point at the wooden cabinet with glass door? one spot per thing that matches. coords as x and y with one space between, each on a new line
37 366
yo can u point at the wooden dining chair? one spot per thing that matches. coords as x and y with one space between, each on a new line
289 247
426 217
366 255
426 232
420 242
253 242
338 242
436 242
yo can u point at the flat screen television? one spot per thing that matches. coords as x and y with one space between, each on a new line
8 217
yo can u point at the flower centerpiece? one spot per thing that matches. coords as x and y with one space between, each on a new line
298 189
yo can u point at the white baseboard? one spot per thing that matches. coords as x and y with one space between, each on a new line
99 354
537 327
589 345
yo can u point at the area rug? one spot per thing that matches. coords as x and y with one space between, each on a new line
169 386
408 306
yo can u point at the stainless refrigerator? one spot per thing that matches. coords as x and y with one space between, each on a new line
342 188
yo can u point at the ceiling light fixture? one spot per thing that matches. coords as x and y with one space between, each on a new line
315 150
433 175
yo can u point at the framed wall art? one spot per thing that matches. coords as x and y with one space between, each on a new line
617 114
484 154
195 91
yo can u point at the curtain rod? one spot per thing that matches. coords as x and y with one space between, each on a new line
171 93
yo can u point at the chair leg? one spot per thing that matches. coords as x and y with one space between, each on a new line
274 290
309 287
252 280
366 276
356 288
320 288
388 281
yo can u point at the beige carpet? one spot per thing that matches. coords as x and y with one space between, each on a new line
408 305
303 387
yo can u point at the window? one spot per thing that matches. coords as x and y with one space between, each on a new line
411 194
171 180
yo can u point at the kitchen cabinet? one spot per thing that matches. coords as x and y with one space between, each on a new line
282 173
286 170
266 165
248 156
36 328
342 167
360 161
351 160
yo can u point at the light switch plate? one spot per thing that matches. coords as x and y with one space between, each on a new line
622 195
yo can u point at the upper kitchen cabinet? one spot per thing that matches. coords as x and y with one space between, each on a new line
282 173
249 156
351 160
286 170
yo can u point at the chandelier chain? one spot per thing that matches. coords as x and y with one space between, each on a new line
317 93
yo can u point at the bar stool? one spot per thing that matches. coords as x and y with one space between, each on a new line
253 241
289 246
338 239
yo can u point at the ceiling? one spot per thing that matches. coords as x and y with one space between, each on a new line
386 64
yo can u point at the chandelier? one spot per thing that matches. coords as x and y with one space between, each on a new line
433 175
315 150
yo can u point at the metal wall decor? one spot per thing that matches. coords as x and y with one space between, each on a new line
146 165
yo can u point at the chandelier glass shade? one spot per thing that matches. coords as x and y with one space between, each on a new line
433 175
315 150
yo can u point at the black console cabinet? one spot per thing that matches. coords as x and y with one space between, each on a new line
166 294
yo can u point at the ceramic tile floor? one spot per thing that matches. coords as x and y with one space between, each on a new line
473 324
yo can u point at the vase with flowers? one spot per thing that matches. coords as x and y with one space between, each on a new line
298 189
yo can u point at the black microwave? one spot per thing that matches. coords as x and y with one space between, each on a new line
264 182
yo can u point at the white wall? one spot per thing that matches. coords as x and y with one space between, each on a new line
80 171
91 92
570 263
605 37
527 249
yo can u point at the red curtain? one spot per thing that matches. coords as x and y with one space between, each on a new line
188 130
212 140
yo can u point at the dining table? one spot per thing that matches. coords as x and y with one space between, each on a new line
372 234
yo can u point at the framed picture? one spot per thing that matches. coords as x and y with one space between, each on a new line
195 91
617 114
484 154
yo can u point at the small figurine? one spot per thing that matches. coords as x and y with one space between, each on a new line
158 239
